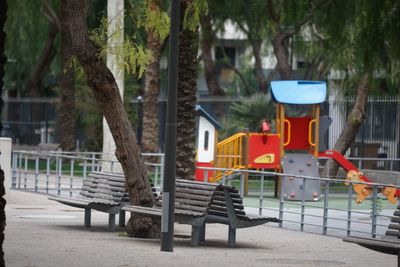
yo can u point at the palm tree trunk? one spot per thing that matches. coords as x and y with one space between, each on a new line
151 92
67 88
3 58
354 121
187 87
109 101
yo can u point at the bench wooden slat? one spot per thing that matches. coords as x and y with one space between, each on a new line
194 184
222 199
180 194
193 202
395 219
221 202
195 192
393 233
396 213
394 226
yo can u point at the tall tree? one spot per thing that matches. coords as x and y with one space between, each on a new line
48 52
252 20
187 87
156 34
67 85
364 43
108 99
3 58
28 26
207 42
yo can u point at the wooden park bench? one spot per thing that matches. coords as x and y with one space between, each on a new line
101 191
389 244
198 203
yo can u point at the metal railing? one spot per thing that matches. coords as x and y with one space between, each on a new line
64 172
336 213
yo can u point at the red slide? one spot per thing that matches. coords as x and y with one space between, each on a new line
343 162
348 166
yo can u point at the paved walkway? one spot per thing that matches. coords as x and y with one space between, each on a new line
40 232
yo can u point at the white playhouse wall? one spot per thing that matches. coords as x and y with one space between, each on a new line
202 154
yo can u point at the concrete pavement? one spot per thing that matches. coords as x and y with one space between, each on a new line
40 232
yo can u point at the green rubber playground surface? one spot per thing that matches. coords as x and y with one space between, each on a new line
335 201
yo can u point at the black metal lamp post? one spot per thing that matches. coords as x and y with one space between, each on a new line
168 204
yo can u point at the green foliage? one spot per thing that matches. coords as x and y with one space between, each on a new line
358 37
251 86
250 113
193 12
136 57
157 22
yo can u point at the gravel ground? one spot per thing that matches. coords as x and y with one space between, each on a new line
40 232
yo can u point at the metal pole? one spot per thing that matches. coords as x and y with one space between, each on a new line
349 207
261 199
374 214
72 162
303 203
281 200
325 216
168 204
36 172
47 173
139 128
241 189
205 177
14 171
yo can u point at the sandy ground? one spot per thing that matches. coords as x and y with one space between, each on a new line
40 232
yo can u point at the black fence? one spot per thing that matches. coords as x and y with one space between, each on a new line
35 121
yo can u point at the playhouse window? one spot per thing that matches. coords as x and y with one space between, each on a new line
206 136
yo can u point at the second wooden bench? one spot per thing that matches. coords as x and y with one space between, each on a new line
198 203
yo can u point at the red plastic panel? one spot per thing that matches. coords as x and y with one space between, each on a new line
200 173
264 152
298 133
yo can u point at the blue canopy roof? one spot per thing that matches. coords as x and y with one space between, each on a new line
299 92
205 114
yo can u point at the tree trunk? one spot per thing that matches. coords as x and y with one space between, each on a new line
3 58
67 88
34 83
262 83
210 72
278 42
186 113
151 93
354 121
109 101
282 56
2 214
35 80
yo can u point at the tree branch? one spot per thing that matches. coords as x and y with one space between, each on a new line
238 73
306 19
50 14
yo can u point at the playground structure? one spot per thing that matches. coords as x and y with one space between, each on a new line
293 148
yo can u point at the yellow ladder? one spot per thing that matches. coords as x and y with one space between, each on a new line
229 155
